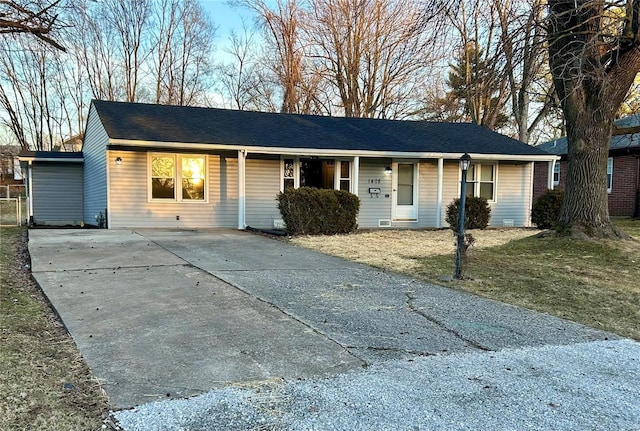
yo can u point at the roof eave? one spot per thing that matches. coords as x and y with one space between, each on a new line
324 152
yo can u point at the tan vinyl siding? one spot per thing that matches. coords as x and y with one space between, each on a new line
450 186
513 194
57 192
374 208
427 193
261 187
130 206
95 169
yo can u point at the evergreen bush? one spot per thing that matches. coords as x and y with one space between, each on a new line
477 213
312 211
546 210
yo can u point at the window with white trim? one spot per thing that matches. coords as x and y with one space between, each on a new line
316 172
345 175
556 173
288 174
481 181
177 177
609 174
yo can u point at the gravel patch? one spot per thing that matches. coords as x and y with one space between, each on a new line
593 386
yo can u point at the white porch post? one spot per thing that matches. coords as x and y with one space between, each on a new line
552 168
242 157
527 220
356 175
439 192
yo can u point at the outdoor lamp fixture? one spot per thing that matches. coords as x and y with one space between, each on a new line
465 161
118 160
388 170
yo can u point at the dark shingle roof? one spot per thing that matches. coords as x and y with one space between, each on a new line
618 142
179 124
50 155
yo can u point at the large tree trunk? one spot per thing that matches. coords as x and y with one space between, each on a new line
592 73
586 210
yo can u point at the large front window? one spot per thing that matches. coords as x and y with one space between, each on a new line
177 177
315 172
481 181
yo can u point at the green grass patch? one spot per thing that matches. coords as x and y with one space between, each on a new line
594 283
44 382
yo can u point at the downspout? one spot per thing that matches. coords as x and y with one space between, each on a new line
636 210
242 156
30 192
439 192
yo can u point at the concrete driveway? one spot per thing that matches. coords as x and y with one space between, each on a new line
166 313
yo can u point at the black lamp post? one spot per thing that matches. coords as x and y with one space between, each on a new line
465 161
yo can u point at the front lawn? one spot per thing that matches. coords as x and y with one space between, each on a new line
594 283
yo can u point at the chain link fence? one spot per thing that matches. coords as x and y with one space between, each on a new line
13 205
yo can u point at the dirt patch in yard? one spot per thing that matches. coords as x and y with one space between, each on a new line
400 250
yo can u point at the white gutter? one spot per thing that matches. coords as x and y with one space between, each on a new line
176 146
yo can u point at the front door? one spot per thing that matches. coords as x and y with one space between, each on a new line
405 191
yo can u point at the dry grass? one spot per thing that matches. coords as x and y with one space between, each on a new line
44 382
594 283
402 250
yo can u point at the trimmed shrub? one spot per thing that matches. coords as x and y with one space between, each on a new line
546 210
311 211
477 213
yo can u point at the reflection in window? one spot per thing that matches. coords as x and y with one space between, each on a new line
163 177
193 178
177 177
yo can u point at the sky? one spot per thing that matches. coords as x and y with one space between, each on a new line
226 17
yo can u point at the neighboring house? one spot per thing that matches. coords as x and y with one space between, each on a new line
187 167
623 169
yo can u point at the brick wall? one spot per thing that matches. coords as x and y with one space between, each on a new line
540 173
622 198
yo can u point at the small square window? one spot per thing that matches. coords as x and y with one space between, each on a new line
556 174
609 174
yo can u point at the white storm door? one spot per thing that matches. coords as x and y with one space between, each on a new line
405 191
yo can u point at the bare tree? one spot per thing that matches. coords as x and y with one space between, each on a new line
30 17
281 23
33 112
241 79
480 76
594 57
181 63
374 51
525 57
